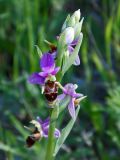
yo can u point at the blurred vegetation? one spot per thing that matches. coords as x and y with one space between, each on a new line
26 23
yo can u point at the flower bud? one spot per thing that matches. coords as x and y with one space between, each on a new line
67 54
69 35
76 15
65 23
71 22
77 28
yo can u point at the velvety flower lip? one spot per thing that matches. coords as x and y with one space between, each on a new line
47 65
69 90
45 127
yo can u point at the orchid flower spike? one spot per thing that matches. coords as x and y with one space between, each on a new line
72 26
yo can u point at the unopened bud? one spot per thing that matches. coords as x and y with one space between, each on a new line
77 28
69 35
76 15
71 22
65 23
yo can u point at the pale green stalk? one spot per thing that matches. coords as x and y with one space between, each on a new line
51 138
51 141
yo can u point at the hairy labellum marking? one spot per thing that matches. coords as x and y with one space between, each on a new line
31 139
53 48
51 90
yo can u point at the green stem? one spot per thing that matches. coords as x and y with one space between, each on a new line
51 140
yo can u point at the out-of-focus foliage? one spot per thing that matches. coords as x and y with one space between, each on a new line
26 23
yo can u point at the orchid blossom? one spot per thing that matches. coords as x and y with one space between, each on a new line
47 65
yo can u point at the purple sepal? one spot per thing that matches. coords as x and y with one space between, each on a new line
75 42
77 61
61 97
70 49
48 65
43 74
35 78
47 62
45 127
71 108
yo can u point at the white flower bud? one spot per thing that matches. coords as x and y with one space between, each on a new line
67 54
77 14
77 28
69 35
65 23
71 22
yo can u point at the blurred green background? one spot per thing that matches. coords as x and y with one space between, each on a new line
25 23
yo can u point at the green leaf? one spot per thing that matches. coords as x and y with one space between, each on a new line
65 132
73 56
10 149
108 39
18 126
